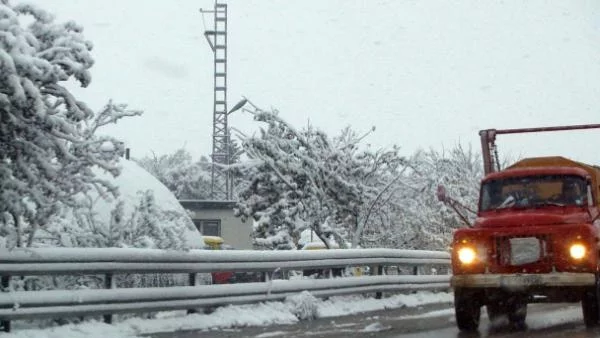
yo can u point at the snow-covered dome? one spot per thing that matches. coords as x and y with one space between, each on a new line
131 182
145 214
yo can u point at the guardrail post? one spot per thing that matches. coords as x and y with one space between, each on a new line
192 281
109 283
5 281
415 270
378 295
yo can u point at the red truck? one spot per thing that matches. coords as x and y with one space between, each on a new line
535 238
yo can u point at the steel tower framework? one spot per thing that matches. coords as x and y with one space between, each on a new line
217 39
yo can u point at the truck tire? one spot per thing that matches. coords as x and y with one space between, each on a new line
517 314
467 309
494 311
590 306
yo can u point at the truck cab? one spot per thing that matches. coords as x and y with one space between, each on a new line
535 239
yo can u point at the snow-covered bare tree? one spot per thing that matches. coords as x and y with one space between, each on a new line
48 139
276 183
178 172
186 178
299 179
426 222
384 174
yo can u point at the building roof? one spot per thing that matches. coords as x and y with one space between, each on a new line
207 204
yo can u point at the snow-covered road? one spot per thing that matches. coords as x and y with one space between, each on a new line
425 321
543 320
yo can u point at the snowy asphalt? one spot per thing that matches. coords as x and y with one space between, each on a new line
428 321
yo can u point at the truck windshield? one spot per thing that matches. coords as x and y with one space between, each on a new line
533 192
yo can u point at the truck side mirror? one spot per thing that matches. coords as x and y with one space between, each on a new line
441 193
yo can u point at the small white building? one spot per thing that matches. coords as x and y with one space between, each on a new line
215 218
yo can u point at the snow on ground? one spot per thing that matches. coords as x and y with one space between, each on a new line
437 313
271 334
568 314
357 304
262 314
376 327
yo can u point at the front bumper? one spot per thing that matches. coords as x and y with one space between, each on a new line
512 281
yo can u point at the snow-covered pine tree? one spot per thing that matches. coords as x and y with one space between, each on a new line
48 142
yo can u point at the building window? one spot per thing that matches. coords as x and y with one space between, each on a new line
208 227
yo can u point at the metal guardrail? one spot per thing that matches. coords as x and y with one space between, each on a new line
111 261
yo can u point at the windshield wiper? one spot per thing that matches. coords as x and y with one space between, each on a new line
546 203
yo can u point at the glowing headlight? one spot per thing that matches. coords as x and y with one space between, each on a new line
466 255
577 251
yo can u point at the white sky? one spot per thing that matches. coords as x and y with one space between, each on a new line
425 73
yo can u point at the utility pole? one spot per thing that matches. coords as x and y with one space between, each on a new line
217 40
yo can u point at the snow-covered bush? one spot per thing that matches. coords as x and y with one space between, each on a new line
303 305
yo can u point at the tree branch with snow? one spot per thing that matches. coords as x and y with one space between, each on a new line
48 139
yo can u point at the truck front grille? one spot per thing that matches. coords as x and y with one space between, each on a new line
521 250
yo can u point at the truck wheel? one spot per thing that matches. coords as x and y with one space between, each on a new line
467 308
494 311
517 314
589 306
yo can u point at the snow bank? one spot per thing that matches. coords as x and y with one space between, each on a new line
262 314
303 305
347 305
376 327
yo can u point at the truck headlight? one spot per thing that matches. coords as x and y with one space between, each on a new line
577 251
466 255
